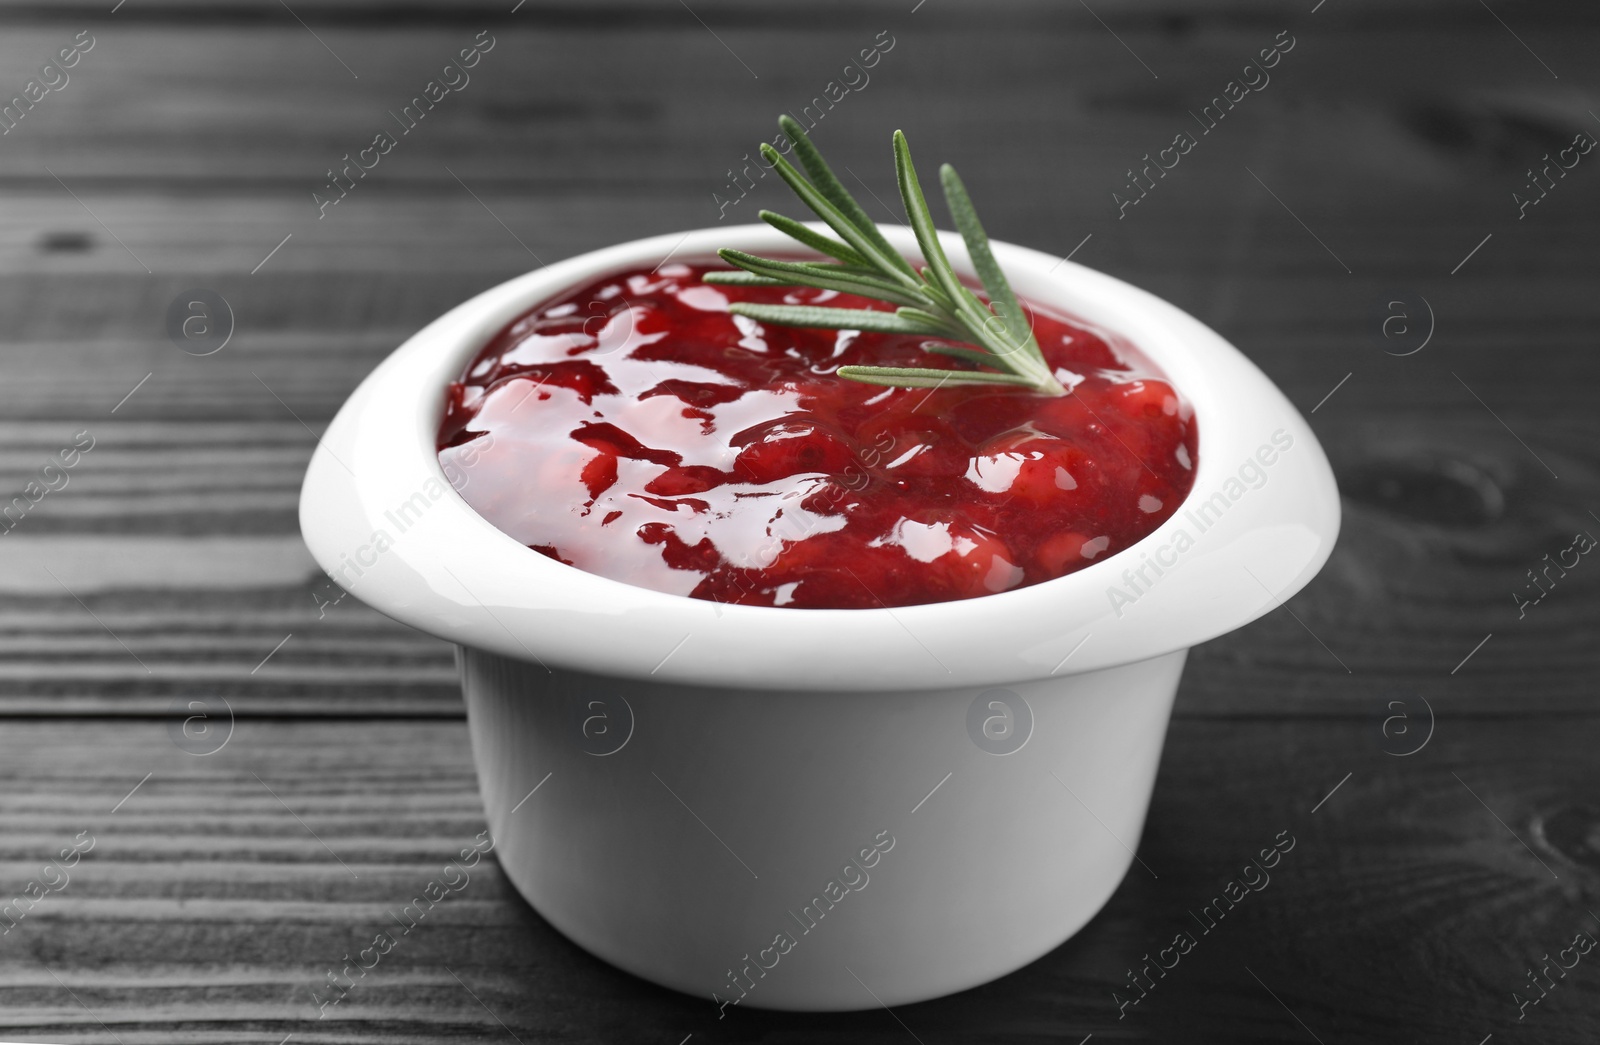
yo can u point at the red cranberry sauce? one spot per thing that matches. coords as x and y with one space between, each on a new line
635 429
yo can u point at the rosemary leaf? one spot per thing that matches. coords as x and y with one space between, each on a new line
937 271
828 184
933 301
927 377
1003 300
745 279
917 315
832 318
815 240
824 277
836 220
934 293
971 355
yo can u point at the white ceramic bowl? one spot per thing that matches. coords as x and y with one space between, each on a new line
819 809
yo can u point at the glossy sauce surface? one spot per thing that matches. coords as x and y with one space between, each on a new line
635 429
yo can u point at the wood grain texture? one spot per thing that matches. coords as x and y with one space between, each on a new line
211 450
208 909
1388 144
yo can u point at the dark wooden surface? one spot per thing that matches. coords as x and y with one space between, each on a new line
170 565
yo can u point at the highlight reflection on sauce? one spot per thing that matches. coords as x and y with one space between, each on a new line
643 433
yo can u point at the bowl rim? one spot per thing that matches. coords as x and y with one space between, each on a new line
451 573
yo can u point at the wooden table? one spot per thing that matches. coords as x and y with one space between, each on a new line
1439 853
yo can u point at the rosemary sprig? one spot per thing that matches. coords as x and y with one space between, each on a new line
932 301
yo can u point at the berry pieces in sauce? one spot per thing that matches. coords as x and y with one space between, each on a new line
633 428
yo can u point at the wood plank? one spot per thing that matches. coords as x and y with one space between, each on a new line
1441 529
1435 109
72 363
1411 592
207 910
193 572
189 578
605 13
